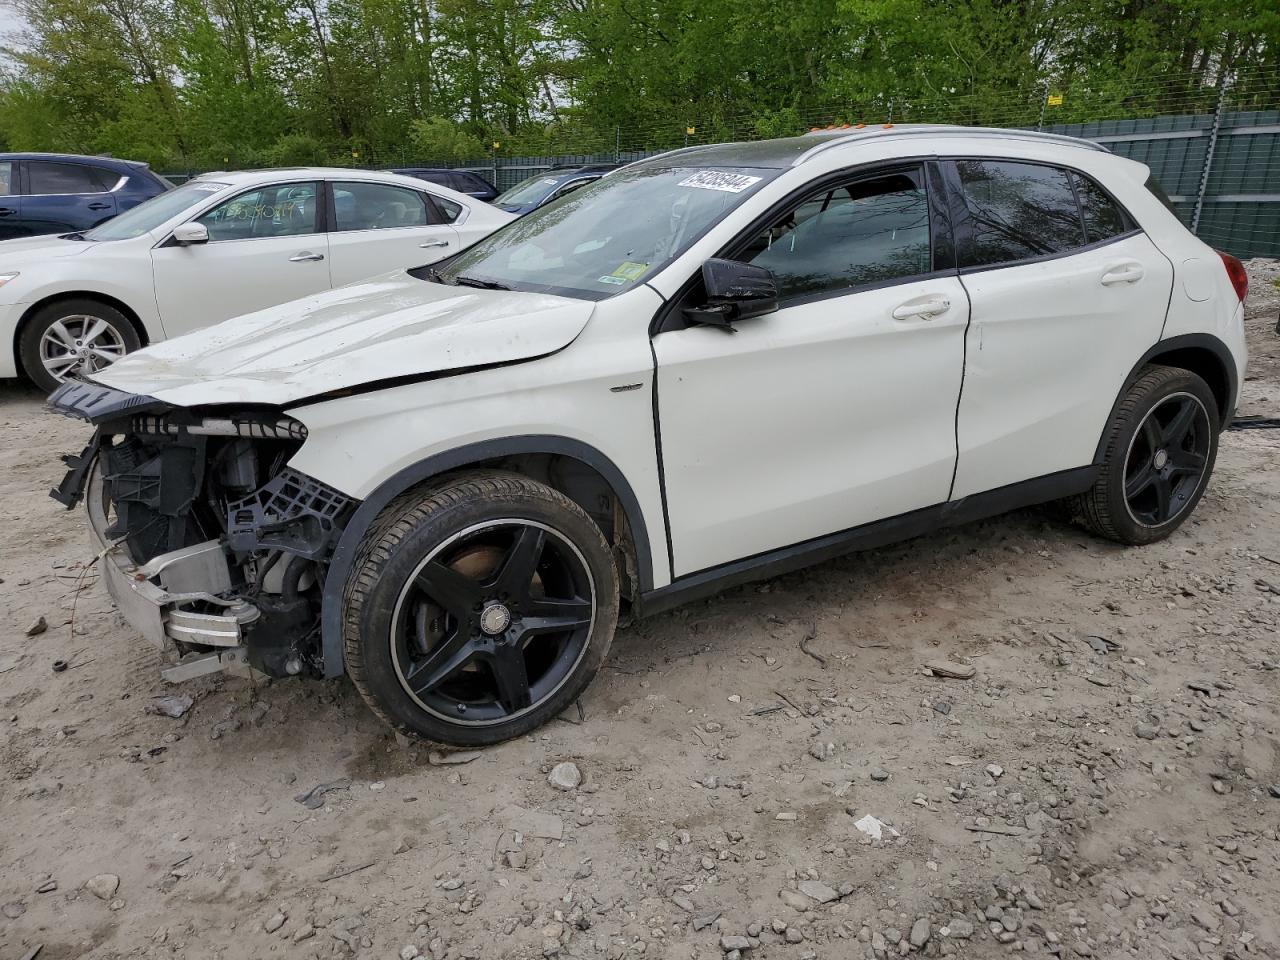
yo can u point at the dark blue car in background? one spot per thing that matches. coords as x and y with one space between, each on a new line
528 195
61 193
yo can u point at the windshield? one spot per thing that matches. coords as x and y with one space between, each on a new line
146 216
529 191
608 236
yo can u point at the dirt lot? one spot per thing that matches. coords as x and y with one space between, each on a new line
1066 799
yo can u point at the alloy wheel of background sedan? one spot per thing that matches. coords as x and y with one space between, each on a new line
493 622
1166 459
80 343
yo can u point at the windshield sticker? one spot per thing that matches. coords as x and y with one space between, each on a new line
718 180
629 270
550 181
617 281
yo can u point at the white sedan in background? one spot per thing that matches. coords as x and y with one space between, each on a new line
219 246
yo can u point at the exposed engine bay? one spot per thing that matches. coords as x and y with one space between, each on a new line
211 543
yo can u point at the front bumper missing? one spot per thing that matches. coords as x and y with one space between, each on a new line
153 597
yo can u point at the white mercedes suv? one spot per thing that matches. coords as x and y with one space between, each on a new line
708 367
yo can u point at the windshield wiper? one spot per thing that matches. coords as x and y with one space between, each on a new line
77 235
464 281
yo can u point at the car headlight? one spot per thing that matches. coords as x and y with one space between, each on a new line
6 277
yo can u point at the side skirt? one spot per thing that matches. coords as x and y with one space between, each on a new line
879 533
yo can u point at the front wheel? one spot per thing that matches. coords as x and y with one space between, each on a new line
1160 450
479 610
70 337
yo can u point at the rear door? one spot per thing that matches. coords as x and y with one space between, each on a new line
10 201
265 248
1066 294
377 227
61 196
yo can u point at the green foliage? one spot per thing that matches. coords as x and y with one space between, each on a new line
439 139
190 84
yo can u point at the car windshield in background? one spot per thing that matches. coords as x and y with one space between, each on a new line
528 191
608 236
146 217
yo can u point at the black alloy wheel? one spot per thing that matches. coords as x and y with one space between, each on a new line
1167 459
1158 453
493 621
478 608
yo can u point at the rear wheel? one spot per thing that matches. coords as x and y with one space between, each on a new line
479 610
72 337
1160 451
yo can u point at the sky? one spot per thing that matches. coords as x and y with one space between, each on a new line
9 20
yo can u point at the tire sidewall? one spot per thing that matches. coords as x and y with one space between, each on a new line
1181 381
34 330
377 611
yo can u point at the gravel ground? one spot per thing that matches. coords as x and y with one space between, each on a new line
1106 783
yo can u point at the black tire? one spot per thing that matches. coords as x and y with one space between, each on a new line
78 314
426 545
1151 481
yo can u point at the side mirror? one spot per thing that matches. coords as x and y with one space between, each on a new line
188 234
735 291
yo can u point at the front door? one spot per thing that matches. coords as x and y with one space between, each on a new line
379 227
1066 292
838 409
264 249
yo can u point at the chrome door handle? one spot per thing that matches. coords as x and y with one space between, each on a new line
304 256
925 309
434 243
1122 273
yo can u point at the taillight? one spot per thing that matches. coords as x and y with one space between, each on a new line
1237 274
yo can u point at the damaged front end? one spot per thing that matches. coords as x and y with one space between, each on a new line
212 546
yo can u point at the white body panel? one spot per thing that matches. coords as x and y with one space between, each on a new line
356 443
356 254
1048 348
171 290
201 285
817 418
391 326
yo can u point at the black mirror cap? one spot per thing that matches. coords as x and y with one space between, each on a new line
733 281
735 291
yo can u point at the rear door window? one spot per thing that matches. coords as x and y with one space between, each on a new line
1017 211
1103 219
378 206
8 178
49 178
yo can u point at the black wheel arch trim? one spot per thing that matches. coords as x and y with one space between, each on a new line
344 554
1186 341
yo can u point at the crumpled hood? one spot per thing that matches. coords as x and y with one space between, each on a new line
381 329
15 254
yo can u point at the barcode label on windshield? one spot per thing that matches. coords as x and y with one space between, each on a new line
717 180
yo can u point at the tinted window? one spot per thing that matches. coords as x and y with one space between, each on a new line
377 206
1017 211
280 210
8 173
870 231
449 210
45 177
1102 218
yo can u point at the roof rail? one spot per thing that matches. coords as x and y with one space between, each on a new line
943 130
